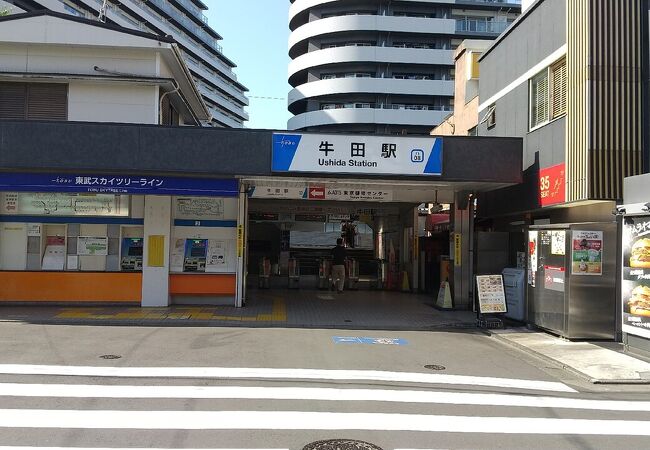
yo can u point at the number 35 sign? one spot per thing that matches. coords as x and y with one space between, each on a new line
552 185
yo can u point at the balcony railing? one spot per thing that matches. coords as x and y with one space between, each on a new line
187 23
481 26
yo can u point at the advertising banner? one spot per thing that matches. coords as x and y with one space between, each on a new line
355 154
532 257
491 294
552 185
587 253
636 276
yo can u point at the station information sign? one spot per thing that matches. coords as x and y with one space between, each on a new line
354 154
118 184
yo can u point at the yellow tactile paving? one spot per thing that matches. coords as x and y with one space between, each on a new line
278 314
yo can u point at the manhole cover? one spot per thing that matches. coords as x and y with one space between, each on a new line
110 356
434 367
341 444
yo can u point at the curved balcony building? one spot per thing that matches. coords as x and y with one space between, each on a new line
372 66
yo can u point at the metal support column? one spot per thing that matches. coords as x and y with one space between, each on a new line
462 250
242 236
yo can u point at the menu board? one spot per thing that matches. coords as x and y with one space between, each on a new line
63 204
491 294
587 253
636 276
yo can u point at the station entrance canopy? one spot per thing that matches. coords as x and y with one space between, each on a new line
452 163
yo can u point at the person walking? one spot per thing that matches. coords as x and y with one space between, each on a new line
338 265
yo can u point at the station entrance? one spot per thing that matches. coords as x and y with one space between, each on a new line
396 255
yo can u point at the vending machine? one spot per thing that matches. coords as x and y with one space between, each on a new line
196 252
131 254
572 279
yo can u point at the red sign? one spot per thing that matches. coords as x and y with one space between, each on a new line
552 185
316 193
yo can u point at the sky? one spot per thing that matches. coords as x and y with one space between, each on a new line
255 37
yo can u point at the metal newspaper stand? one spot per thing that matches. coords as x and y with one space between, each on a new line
491 301
294 273
352 280
265 273
324 271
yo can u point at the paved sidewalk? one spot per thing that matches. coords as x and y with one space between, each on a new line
272 308
597 364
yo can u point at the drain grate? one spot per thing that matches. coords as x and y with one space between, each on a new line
110 356
434 367
347 321
341 444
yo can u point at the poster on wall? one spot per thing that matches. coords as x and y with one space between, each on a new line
587 253
177 255
558 242
208 208
216 259
532 256
636 276
92 246
54 256
63 204
491 294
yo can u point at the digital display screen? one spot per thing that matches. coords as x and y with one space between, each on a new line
198 252
135 251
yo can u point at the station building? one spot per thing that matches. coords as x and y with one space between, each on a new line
153 215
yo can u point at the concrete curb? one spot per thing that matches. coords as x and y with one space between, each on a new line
569 369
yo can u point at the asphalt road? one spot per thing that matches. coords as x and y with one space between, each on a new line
240 388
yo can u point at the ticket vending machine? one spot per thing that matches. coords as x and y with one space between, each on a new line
131 256
196 251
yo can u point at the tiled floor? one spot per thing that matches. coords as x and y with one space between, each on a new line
267 308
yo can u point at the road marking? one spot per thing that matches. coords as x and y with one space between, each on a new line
306 420
278 314
317 394
368 340
267 373
20 447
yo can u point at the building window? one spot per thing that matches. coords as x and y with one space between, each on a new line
548 91
492 117
558 89
33 101
539 99
472 131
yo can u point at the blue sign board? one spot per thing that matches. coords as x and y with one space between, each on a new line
118 184
368 340
357 154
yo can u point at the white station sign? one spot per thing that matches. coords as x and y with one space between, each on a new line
354 154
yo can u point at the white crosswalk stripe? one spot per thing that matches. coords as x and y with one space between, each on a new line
320 394
285 374
544 409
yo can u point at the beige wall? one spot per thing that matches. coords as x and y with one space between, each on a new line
466 98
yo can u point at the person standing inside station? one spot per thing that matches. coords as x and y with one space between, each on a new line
338 265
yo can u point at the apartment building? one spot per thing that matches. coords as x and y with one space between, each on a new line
185 22
59 67
382 67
